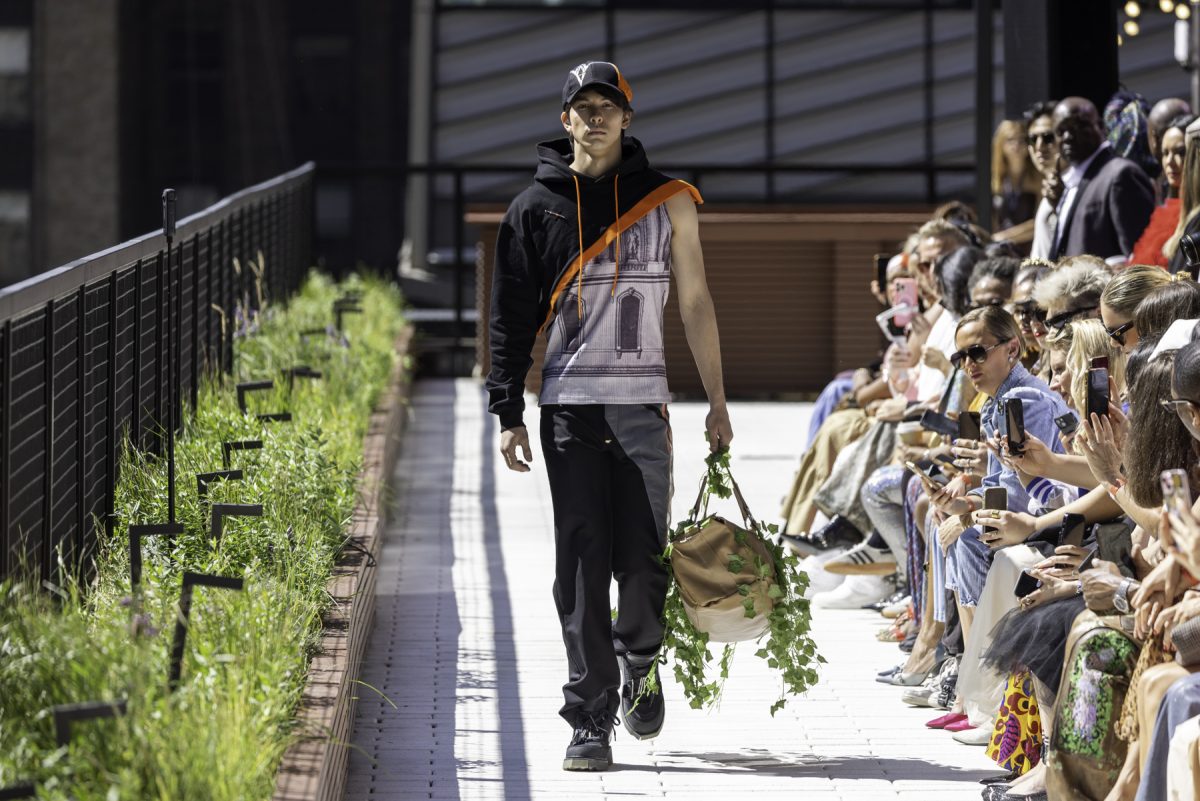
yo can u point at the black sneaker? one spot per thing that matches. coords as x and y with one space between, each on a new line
836 533
589 748
642 710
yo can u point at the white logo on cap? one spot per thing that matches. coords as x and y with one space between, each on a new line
581 71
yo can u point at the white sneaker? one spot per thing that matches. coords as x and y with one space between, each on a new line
820 579
854 592
919 696
977 736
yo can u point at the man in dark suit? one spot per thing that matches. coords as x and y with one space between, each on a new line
1107 200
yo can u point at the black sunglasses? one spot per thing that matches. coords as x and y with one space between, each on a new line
1118 333
1030 310
1036 140
1058 321
976 353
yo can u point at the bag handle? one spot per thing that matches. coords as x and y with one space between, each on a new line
702 500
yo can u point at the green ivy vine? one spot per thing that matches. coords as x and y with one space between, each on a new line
787 645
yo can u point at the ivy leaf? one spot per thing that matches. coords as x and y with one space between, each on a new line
778 705
744 590
748 605
736 563
774 593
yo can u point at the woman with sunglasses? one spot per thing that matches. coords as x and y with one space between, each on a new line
989 348
1121 298
1072 292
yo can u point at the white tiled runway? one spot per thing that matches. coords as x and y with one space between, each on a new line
467 648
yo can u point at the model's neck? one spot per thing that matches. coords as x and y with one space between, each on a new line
594 165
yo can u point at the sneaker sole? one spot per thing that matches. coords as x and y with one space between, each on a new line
637 736
869 569
587 764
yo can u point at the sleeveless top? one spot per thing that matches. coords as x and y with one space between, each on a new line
609 348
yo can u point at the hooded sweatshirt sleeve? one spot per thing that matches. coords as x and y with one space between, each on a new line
516 294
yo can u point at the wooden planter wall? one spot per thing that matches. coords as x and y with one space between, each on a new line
791 293
314 767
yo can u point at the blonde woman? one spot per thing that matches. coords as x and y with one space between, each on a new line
1189 199
1016 183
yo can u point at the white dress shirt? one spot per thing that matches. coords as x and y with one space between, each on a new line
1072 178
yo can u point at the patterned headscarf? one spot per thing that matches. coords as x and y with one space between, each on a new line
1129 131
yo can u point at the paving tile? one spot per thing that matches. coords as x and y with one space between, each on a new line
466 646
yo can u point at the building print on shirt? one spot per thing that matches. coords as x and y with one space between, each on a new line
612 342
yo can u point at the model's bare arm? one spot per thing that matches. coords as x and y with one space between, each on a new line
699 317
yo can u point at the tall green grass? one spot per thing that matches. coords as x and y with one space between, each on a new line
220 736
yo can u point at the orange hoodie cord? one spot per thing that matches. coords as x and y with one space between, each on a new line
617 224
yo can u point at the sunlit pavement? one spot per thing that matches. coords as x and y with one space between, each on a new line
461 679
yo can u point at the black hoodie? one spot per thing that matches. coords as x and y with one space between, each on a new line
538 251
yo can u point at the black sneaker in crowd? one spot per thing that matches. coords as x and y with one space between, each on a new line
589 748
836 533
642 710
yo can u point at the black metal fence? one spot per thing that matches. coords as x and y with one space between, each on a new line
85 350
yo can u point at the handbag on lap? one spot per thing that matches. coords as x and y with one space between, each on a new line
724 572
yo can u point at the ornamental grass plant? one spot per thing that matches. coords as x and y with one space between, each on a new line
222 733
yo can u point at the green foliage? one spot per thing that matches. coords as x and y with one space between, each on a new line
221 735
786 645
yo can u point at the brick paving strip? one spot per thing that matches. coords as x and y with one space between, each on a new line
461 677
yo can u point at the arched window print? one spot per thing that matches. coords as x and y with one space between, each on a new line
629 322
572 323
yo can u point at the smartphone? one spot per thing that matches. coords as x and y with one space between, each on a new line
905 300
1074 527
881 265
993 498
1097 392
887 324
931 486
1088 561
1014 426
968 426
939 424
1100 363
1025 585
1176 489
1067 424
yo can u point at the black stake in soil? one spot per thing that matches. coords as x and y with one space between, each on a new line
238 445
184 616
220 511
136 533
66 715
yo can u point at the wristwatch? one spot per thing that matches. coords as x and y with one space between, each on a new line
1121 598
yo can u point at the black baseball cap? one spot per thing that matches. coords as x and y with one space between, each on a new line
595 74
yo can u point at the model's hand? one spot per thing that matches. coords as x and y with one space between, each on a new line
951 499
718 427
512 439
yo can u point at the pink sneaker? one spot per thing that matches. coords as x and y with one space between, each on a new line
959 725
945 720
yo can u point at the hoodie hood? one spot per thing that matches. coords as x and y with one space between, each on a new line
555 156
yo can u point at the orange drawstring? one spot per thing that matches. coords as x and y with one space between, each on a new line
579 223
617 223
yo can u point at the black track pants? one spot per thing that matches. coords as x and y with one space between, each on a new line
610 472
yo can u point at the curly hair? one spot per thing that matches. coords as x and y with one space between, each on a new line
1072 286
